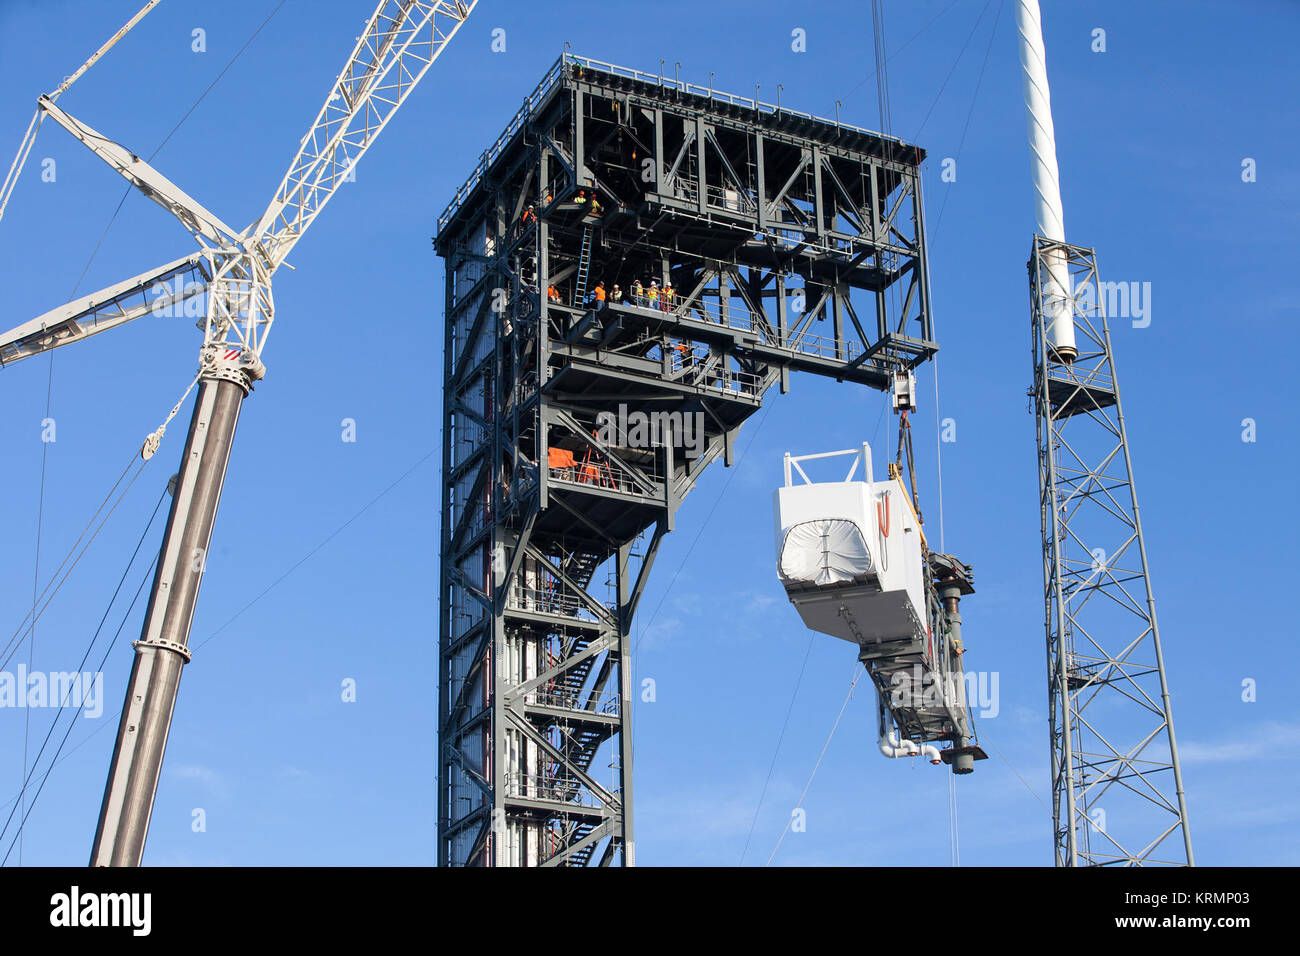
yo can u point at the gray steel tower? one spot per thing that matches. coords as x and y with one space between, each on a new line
1117 792
790 243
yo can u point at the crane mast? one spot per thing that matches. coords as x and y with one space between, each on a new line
233 272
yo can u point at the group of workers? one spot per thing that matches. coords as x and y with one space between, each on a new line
661 298
591 203
654 297
586 200
646 297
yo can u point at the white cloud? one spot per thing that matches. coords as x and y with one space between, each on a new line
192 771
1263 741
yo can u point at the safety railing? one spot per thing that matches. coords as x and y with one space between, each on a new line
531 102
605 703
605 474
732 200
543 786
550 600
742 319
556 71
731 99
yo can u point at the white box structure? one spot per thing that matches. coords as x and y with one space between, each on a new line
849 553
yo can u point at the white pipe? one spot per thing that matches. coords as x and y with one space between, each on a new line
891 746
1047 184
894 748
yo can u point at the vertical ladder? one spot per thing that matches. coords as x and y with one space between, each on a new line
584 268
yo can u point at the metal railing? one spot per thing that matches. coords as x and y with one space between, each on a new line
608 475
551 600
531 102
732 200
738 317
544 786
720 96
556 71
605 703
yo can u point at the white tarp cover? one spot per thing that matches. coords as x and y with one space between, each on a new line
826 551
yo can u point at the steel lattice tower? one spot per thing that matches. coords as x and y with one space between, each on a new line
1117 791
795 243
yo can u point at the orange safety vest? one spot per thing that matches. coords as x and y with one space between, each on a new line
600 293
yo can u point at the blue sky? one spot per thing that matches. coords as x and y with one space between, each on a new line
1151 136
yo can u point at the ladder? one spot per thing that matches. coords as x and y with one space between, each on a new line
584 268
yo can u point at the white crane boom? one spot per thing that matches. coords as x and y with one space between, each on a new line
193 216
233 273
153 291
400 43
401 40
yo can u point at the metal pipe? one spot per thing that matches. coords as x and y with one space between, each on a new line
951 598
1048 212
163 648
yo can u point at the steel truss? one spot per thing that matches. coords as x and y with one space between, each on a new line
1117 792
795 244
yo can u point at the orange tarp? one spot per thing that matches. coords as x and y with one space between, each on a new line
560 458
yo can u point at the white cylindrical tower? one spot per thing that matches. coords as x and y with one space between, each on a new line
1047 184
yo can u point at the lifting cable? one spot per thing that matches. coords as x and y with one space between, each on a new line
56 582
54 761
812 636
904 45
969 114
29 138
84 657
904 454
57 759
11 180
859 670
962 52
954 831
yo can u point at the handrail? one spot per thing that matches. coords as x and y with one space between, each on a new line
556 71
736 317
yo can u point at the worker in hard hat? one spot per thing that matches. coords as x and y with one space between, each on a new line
616 294
638 293
653 294
600 295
